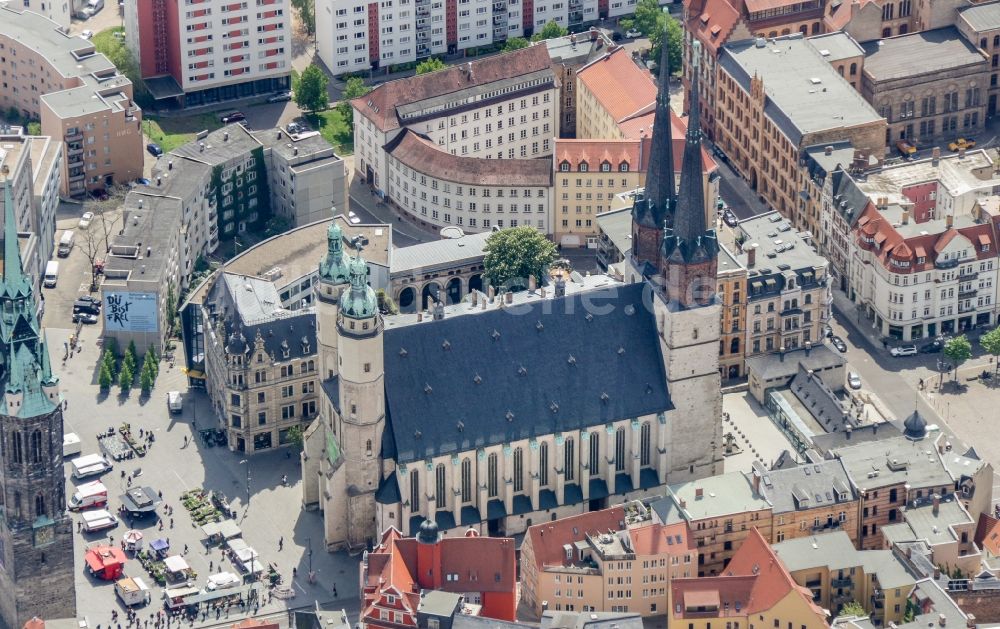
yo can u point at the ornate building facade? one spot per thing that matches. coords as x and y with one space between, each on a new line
525 408
36 533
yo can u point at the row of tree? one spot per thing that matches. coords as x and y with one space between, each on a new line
124 372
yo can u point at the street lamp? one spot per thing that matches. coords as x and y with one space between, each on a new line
247 461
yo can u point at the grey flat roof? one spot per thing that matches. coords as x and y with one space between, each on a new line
771 366
821 484
773 234
805 94
821 164
933 528
219 149
982 17
618 226
916 463
836 46
283 144
42 35
721 495
836 551
925 52
256 299
447 251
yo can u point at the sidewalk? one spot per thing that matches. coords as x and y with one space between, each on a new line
849 316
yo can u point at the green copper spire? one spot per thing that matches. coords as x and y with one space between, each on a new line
359 302
15 374
48 378
14 280
334 267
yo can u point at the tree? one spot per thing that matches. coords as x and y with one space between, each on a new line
549 31
110 363
171 306
306 10
675 38
432 64
852 608
991 343
516 253
125 378
515 43
958 350
311 94
385 303
34 128
146 380
294 437
354 88
105 378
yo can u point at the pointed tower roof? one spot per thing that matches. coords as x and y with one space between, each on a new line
48 378
14 281
915 426
359 301
660 198
334 266
15 373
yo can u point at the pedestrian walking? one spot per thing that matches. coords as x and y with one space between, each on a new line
210 566
334 590
185 441
281 543
171 523
185 549
65 404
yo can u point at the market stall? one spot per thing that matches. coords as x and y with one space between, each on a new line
160 546
133 540
177 568
244 556
220 532
105 562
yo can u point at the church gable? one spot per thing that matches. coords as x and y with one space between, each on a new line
507 374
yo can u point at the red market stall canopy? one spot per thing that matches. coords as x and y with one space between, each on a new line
105 562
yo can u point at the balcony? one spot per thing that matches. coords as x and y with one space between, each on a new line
575 17
841 583
75 178
74 137
967 275
969 308
964 293
945 264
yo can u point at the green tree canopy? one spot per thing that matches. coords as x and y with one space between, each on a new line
310 93
852 608
514 254
515 43
958 350
295 437
675 38
991 343
353 88
104 378
549 31
432 64
306 11
125 378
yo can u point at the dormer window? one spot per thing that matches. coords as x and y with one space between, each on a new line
564 167
605 167
623 167
584 167
985 247
921 260
285 353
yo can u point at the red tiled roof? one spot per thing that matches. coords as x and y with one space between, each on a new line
988 534
254 623
702 598
653 539
727 596
386 97
423 156
547 539
713 23
594 152
35 623
840 15
619 85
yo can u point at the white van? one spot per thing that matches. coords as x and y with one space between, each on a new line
132 591
87 495
71 444
175 402
98 520
66 243
90 465
51 274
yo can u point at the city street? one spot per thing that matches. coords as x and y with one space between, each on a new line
268 511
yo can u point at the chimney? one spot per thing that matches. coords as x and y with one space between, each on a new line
970 621
295 151
468 69
936 156
572 39
828 150
809 347
170 165
532 284
508 297
699 493
906 217
420 316
936 501
492 293
438 311
201 147
560 287
781 353
752 255
942 620
225 136
961 153
475 298
158 181
948 220
847 432
593 33
937 573
149 251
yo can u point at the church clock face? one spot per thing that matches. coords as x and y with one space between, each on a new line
45 535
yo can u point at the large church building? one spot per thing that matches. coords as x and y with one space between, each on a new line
506 411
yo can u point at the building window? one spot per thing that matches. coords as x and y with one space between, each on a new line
518 469
543 464
491 475
569 459
440 496
644 444
466 480
415 491
620 450
595 452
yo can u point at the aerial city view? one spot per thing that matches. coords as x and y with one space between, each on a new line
487 314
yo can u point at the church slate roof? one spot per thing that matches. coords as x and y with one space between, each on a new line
535 369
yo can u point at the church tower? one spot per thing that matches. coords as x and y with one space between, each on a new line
654 207
333 277
689 317
362 401
36 533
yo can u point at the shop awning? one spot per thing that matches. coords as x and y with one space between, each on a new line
176 563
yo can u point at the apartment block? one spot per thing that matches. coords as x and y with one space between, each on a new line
30 167
837 573
930 86
756 590
569 54
945 527
475 124
79 97
201 52
732 291
720 512
980 25
882 19
767 115
603 561
360 35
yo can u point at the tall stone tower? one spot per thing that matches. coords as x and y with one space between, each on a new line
36 533
333 278
361 382
654 207
688 314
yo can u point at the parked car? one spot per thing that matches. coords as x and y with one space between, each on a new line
154 149
853 380
234 116
632 33
86 219
839 343
295 128
905 148
616 36
280 97
962 143
904 350
729 218
827 331
85 317
89 299
86 307
932 348
141 181
87 34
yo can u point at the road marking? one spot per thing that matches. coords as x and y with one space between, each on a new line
181 480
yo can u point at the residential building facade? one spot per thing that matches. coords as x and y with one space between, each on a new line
79 97
940 100
732 290
210 51
980 25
